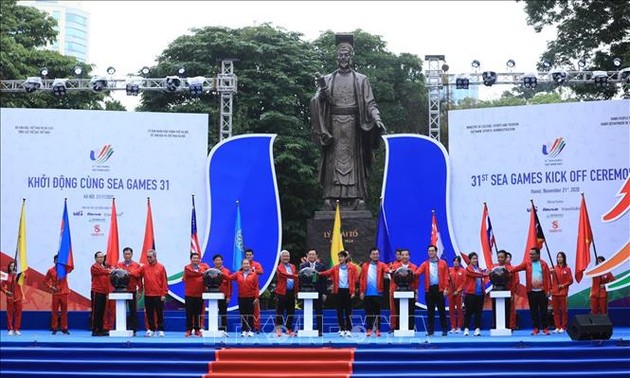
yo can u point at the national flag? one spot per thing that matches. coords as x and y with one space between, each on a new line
239 244
382 237
435 235
21 265
535 235
584 240
336 242
65 262
149 236
487 236
465 258
113 246
194 239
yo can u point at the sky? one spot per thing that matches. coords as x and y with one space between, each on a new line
131 34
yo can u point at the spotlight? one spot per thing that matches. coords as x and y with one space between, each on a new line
172 83
558 76
43 72
145 71
462 82
582 63
111 70
195 85
98 83
445 67
600 78
33 83
546 65
181 71
78 70
475 64
617 62
489 78
59 87
624 75
510 63
132 86
530 81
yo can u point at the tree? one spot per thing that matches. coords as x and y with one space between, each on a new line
596 30
23 32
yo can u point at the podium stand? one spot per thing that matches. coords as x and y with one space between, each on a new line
403 317
213 314
121 315
308 298
499 297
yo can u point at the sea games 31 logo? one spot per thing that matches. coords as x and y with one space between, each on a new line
552 150
100 157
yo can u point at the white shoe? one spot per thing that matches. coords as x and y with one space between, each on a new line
11 333
149 333
466 333
161 333
17 332
244 334
458 330
453 330
561 330
556 330
250 334
477 332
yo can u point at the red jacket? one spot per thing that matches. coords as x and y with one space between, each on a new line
100 279
381 269
283 276
527 267
226 284
392 284
515 279
247 286
470 282
11 285
135 275
256 267
53 283
442 275
155 281
193 280
456 279
334 274
562 276
598 288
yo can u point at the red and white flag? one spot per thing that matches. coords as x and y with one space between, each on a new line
435 235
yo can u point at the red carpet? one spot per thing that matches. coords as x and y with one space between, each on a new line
282 362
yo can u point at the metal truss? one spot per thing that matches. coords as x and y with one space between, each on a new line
434 85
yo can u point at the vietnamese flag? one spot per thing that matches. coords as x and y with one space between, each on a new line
149 238
584 240
113 246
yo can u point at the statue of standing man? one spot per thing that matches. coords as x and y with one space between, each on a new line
348 126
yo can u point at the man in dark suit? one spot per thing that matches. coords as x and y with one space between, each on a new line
312 261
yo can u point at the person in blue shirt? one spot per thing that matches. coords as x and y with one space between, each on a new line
371 287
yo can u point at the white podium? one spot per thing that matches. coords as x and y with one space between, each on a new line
403 318
499 297
308 298
213 314
121 314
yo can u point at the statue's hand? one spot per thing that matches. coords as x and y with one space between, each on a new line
325 139
381 126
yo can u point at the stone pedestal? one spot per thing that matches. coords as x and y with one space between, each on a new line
358 231
121 314
499 297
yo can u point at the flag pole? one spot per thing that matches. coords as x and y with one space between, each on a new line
496 248
592 237
544 240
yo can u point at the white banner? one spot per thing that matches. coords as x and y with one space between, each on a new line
90 157
549 153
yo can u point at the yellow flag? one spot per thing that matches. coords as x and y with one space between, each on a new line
336 243
20 249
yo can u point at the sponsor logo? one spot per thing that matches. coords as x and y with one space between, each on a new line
78 213
96 230
555 226
101 155
554 149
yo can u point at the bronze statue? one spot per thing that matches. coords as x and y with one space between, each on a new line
347 126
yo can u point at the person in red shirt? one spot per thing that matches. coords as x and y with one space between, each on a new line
435 272
100 289
193 280
258 269
403 262
393 319
248 294
134 270
286 287
538 287
456 276
561 279
599 295
515 282
60 291
371 286
474 290
155 291
15 297
226 289
344 277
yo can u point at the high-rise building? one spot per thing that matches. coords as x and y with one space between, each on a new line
73 26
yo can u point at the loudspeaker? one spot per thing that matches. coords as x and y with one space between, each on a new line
590 327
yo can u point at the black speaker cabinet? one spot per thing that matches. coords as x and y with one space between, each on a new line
590 327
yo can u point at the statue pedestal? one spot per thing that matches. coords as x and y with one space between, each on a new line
499 297
308 298
121 314
358 229
403 318
213 314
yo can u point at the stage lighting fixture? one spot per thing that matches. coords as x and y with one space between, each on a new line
558 76
145 71
475 64
600 78
462 82
172 83
181 71
43 72
489 78
530 81
510 63
624 75
111 70
445 67
582 63
98 83
195 86
617 62
132 86
78 70
59 87
33 83
546 65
